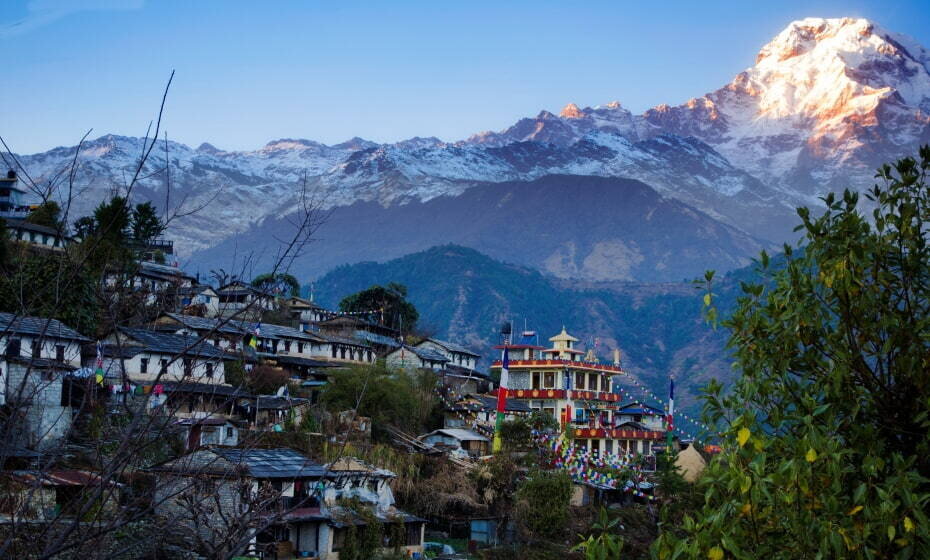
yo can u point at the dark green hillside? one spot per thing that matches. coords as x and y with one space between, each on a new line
464 295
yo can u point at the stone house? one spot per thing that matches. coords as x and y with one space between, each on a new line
471 442
54 493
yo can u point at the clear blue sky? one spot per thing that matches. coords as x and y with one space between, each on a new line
250 72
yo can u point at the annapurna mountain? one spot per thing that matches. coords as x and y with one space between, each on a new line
825 103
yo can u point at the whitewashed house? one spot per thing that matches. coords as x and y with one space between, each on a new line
142 356
38 354
412 357
458 355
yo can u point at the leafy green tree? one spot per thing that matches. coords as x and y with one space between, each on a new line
389 398
146 225
280 283
828 435
390 300
44 285
47 214
603 543
542 504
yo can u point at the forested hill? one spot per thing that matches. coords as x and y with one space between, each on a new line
464 296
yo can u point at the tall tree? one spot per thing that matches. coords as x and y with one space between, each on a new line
112 220
146 225
390 301
828 440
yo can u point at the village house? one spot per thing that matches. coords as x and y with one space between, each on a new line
49 494
12 197
305 312
35 235
373 335
243 301
297 502
412 358
199 299
480 412
577 392
158 282
458 439
38 354
145 357
458 355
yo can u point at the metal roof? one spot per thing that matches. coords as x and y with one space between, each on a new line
458 433
38 326
377 338
206 323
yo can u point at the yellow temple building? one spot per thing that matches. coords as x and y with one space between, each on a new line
577 390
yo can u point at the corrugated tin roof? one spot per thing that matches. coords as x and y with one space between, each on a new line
273 463
458 433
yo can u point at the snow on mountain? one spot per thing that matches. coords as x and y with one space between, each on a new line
826 102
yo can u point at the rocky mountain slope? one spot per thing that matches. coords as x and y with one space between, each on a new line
598 228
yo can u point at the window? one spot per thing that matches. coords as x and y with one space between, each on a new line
549 412
536 376
549 380
59 353
36 349
579 377
300 347
342 352
230 432
287 345
164 365
609 446
592 381
333 348
188 366
605 383
143 365
210 369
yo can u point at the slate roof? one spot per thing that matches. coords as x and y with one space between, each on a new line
427 354
174 344
124 351
273 463
269 402
206 389
163 270
40 363
454 369
19 223
375 338
298 361
205 323
37 326
268 330
452 347
343 340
